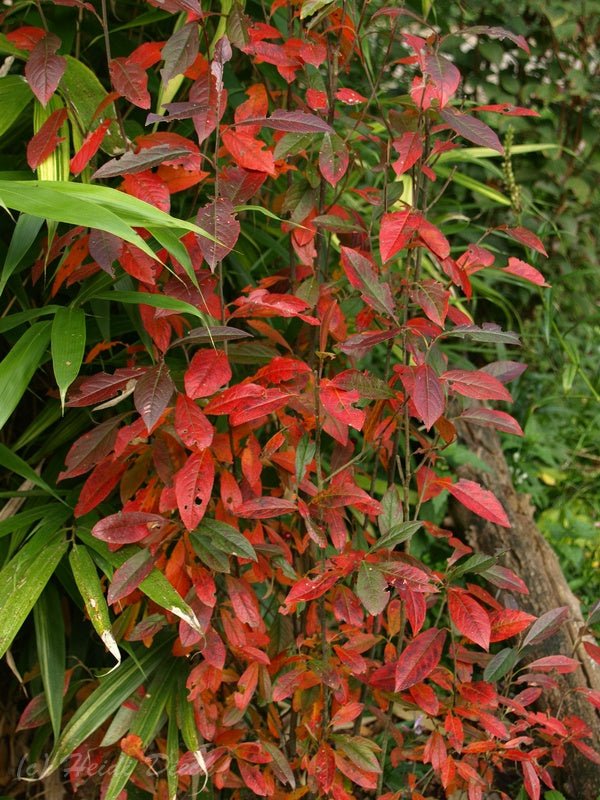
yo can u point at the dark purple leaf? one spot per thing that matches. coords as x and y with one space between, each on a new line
44 68
179 52
101 387
291 122
546 625
500 33
105 249
219 220
152 394
131 163
129 575
472 129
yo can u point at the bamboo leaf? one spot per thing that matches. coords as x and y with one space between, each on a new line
68 346
88 583
113 690
23 579
24 235
50 640
16 370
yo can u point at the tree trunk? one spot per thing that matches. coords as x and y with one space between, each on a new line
528 554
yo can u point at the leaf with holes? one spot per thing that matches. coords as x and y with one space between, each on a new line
472 129
44 68
333 158
219 220
419 658
469 618
191 424
193 486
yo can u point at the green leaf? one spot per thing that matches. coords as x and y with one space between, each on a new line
21 317
474 185
396 534
500 664
392 512
155 300
16 370
146 724
476 563
112 692
68 346
24 520
305 452
371 588
90 588
23 579
50 640
225 538
24 235
14 463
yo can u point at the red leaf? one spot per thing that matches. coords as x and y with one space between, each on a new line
350 97
469 617
431 296
147 54
102 386
338 403
239 185
472 129
547 625
593 651
90 449
419 658
490 418
244 601
395 232
501 33
193 486
211 105
333 158
560 664
46 140
192 426
26 37
531 780
361 273
508 622
248 152
306 589
98 485
265 508
130 81
150 188
152 393
480 501
525 237
505 371
89 148
410 149
524 270
432 237
219 220
209 370
270 400
505 578
478 385
444 76
253 779
428 395
507 109
127 527
322 767
129 576
261 303
44 68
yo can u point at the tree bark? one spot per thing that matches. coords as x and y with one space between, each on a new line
528 554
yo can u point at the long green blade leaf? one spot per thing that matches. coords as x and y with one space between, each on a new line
24 235
67 345
17 369
23 579
14 463
50 640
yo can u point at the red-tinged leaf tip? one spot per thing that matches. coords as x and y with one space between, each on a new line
469 618
419 658
480 501
90 146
